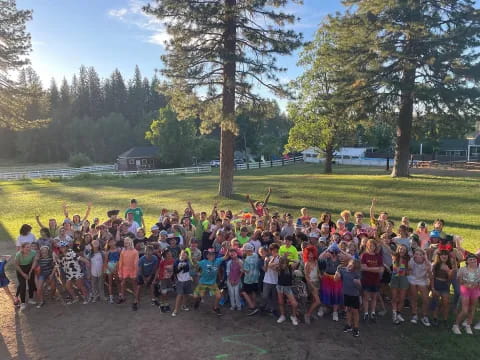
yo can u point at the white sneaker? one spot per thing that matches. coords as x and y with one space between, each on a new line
464 323
174 314
456 330
425 321
23 306
320 312
294 320
477 326
468 330
400 317
32 302
281 319
335 316
414 319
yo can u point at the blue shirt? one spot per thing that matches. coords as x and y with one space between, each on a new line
2 267
209 271
147 267
252 270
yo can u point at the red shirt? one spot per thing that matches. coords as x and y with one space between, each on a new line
371 278
165 269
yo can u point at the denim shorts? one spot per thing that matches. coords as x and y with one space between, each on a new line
287 290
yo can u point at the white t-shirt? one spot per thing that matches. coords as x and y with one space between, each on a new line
419 273
29 238
96 262
271 275
134 227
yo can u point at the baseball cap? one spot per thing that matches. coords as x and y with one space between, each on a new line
163 232
154 227
249 247
313 221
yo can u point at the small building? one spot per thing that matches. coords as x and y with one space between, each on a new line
315 155
452 150
138 158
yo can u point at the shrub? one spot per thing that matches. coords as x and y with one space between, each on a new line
79 160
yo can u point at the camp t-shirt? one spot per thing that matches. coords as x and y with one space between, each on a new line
209 271
348 285
242 240
291 252
371 278
146 267
137 214
25 259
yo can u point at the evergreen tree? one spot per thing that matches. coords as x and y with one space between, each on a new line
14 47
223 47
95 94
419 55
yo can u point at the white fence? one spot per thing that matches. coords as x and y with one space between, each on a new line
52 173
105 170
267 164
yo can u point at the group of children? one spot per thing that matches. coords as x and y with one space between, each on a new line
254 260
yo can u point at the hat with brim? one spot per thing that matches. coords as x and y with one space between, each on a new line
111 213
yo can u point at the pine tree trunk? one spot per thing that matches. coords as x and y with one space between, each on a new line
404 126
227 137
328 159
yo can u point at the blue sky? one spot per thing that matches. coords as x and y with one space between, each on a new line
110 34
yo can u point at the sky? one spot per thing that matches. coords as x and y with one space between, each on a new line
109 34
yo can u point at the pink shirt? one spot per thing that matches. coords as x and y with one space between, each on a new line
128 264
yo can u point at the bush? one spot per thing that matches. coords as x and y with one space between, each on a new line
79 160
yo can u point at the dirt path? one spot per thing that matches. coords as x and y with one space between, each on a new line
103 331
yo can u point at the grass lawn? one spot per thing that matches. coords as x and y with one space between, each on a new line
423 197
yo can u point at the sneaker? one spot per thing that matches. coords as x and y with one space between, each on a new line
365 317
232 308
162 308
347 329
185 308
85 302
110 299
400 317
307 319
320 312
167 308
425 321
253 312
373 318
155 302
40 304
23 306
134 306
414 319
32 302
335 316
477 326
464 323
174 313
94 300
217 311
435 322
281 319
294 320
456 330
356 332
468 330
196 304
73 301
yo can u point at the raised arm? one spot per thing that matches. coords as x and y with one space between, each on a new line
372 208
65 210
87 213
37 218
189 204
265 202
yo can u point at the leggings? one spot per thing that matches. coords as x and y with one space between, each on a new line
22 283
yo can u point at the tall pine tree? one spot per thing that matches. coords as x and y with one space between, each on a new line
422 56
223 47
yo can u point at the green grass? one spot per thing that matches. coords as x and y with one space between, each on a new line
421 197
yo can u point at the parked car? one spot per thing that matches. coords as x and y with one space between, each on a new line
215 163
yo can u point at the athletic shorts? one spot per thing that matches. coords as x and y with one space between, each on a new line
399 282
111 267
165 286
469 293
250 288
442 287
184 287
140 280
351 301
371 288
202 289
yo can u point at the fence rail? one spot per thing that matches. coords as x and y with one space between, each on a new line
107 170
